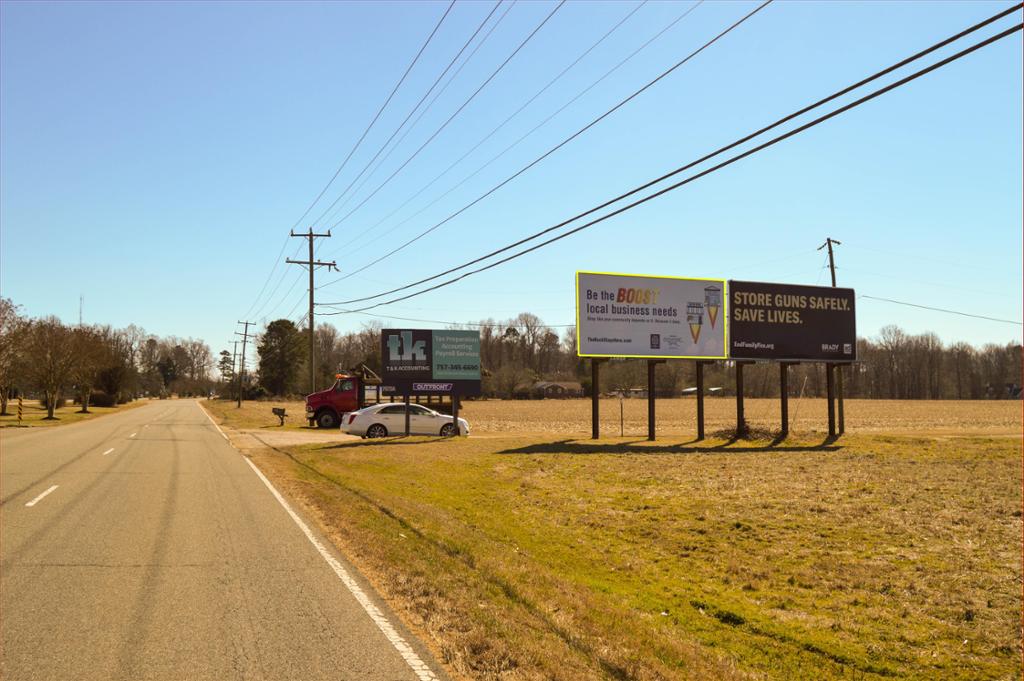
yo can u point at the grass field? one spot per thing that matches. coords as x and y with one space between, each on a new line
524 555
34 415
676 418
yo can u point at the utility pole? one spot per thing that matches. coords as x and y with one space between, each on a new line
234 360
241 366
829 241
312 265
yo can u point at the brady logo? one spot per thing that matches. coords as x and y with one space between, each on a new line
402 349
830 347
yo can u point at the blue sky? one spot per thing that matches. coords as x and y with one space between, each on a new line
155 155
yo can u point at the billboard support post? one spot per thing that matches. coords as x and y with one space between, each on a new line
407 414
839 377
455 414
595 397
784 396
830 389
651 363
700 399
741 422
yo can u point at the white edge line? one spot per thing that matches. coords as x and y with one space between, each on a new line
40 497
108 451
423 672
203 409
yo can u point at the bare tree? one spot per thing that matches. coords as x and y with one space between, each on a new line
12 327
90 355
50 352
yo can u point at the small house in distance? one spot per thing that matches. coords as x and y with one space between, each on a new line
551 390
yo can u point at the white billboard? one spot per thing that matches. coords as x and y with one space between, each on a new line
629 315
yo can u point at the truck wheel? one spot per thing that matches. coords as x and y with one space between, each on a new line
326 419
376 430
447 430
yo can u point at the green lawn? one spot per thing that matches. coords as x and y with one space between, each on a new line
548 557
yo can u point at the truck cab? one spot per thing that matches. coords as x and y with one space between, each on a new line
326 407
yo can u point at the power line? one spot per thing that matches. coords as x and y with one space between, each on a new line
277 260
721 150
423 112
561 144
939 309
377 115
730 161
451 323
410 114
456 113
514 144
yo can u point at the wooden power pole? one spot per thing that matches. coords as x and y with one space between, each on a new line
241 365
312 265
829 241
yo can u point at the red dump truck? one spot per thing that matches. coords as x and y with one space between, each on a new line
326 407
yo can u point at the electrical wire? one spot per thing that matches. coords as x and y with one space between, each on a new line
939 309
719 166
506 149
453 116
561 144
706 157
409 115
383 106
474 324
377 115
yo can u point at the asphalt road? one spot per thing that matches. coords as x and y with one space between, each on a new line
160 553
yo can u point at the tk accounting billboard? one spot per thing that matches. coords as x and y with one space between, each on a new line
426 361
789 322
628 315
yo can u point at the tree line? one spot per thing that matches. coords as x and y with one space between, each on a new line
96 365
515 353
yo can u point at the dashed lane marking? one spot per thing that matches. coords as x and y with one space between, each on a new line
41 496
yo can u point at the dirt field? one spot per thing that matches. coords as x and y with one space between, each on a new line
531 552
676 418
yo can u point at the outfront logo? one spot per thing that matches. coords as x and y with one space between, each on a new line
401 348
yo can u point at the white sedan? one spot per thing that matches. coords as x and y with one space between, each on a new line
381 420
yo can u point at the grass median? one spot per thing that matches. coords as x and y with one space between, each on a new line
538 556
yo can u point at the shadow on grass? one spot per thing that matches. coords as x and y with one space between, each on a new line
644 447
390 440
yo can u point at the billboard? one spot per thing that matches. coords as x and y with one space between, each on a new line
426 361
788 322
628 315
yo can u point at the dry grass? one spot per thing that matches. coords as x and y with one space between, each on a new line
677 417
259 414
34 415
526 557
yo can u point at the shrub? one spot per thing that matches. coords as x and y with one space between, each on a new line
59 402
101 399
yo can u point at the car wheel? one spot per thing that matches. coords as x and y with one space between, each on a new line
447 430
376 430
326 419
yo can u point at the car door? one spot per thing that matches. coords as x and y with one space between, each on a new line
393 418
422 421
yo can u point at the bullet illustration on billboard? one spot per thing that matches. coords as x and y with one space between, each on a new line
695 318
648 316
713 303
